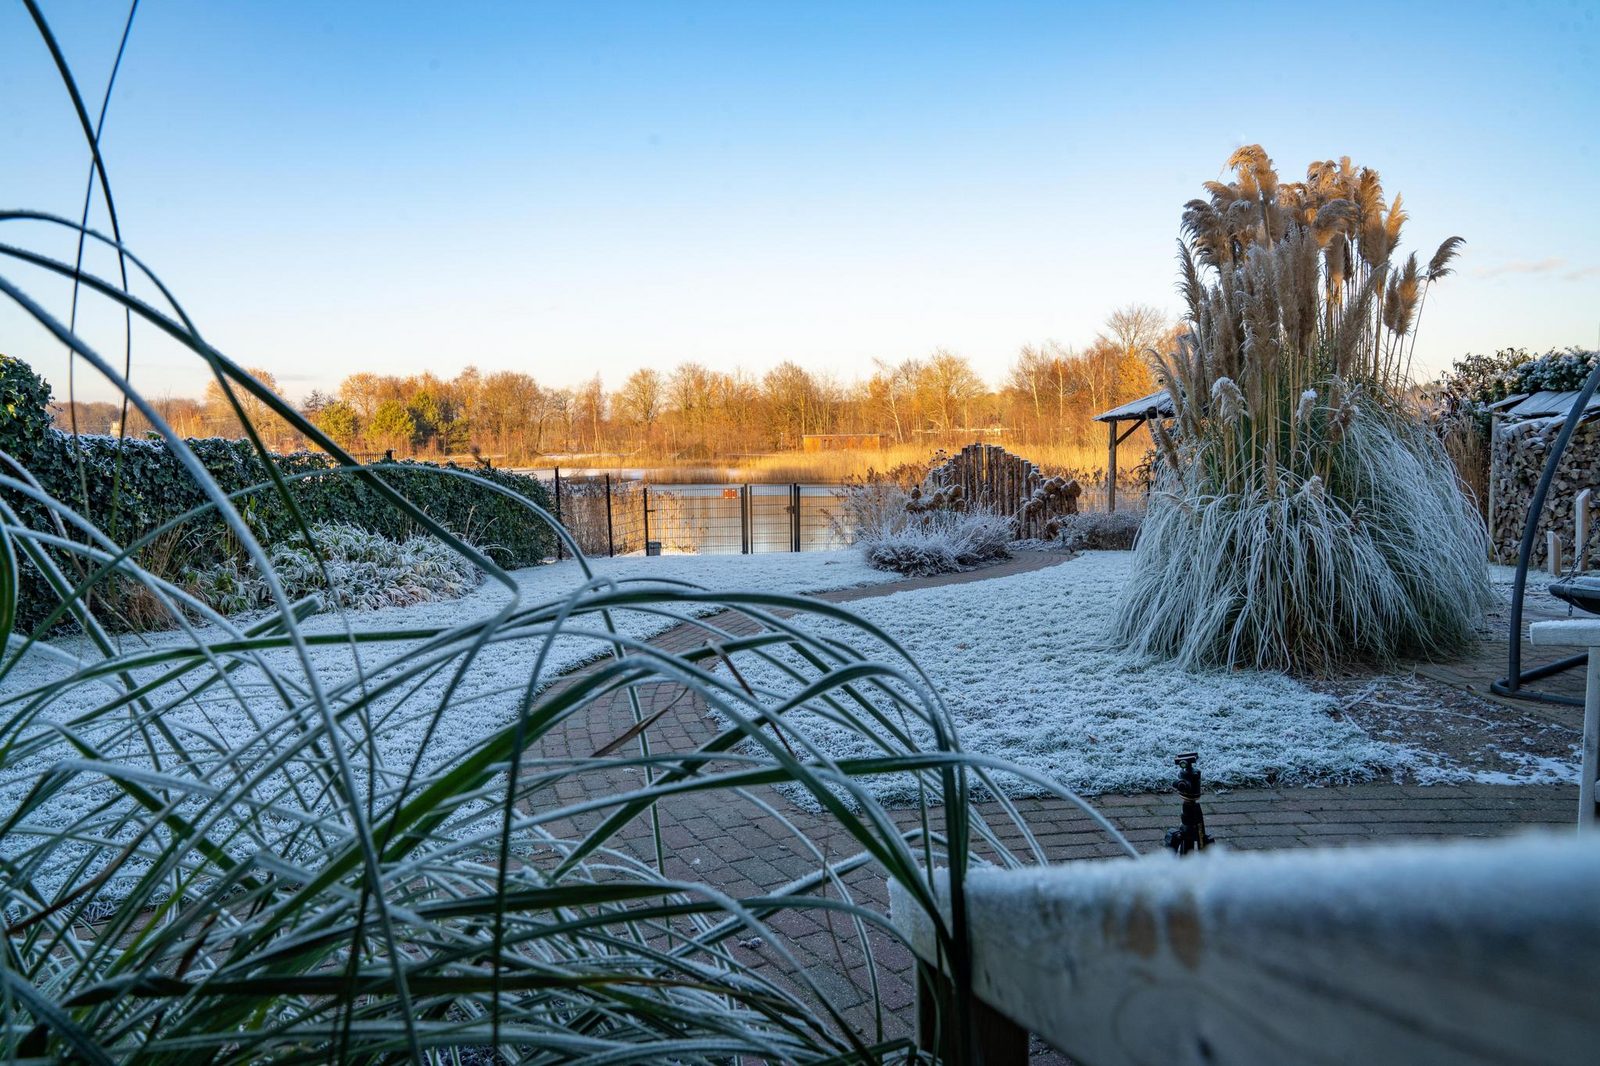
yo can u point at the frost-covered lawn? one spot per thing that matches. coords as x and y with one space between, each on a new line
1020 661
253 711
508 664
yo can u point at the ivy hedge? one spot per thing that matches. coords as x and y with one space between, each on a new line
130 488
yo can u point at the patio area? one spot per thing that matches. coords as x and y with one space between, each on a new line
747 848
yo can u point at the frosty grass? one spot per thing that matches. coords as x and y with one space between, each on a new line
1021 663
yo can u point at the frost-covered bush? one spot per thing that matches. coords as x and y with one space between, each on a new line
135 486
1475 382
937 542
1303 515
363 571
1099 531
878 501
230 587
1554 371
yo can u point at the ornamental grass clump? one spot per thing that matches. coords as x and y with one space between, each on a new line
1302 515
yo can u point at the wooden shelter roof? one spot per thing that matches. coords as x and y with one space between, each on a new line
1542 404
1140 408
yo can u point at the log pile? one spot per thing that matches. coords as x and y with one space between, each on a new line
987 476
1517 457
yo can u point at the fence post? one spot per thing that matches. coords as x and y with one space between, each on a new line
611 544
744 519
559 522
645 493
794 519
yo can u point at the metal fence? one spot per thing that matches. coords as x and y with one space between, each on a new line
609 515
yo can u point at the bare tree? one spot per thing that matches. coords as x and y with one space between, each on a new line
589 402
223 414
947 383
1135 327
792 394
638 402
891 394
511 402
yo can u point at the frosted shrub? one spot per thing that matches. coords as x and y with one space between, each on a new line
937 542
1303 516
879 500
363 571
229 587
1098 531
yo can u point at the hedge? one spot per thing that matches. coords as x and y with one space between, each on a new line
135 486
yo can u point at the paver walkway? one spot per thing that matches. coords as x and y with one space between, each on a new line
1487 663
743 849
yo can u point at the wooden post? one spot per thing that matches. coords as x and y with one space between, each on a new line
1580 531
1494 435
1589 761
1471 951
1552 552
999 1040
1111 466
1580 633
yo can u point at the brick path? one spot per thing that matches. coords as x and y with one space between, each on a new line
1488 663
734 845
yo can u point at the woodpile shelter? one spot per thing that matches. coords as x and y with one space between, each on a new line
1121 423
988 476
1523 429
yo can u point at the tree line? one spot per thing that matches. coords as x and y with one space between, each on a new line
692 412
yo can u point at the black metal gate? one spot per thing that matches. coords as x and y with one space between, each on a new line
609 515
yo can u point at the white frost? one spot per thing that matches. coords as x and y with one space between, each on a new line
1022 665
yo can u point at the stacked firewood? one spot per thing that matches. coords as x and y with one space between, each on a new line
987 477
1052 499
946 498
1517 458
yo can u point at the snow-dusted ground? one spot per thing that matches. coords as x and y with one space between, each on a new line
510 663
1536 591
1021 663
485 696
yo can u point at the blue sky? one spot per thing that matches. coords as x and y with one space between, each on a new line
566 189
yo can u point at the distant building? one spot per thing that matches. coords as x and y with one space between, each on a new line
840 442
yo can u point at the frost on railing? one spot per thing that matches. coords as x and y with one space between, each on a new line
1478 951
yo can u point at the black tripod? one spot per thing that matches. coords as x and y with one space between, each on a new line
1191 835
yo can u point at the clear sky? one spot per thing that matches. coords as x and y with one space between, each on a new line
565 189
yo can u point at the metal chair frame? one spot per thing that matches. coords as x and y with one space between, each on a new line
1513 684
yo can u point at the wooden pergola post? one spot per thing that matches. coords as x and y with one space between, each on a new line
1111 466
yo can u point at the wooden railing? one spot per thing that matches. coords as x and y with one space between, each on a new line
1469 952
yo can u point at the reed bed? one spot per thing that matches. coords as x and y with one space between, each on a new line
1303 517
838 466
